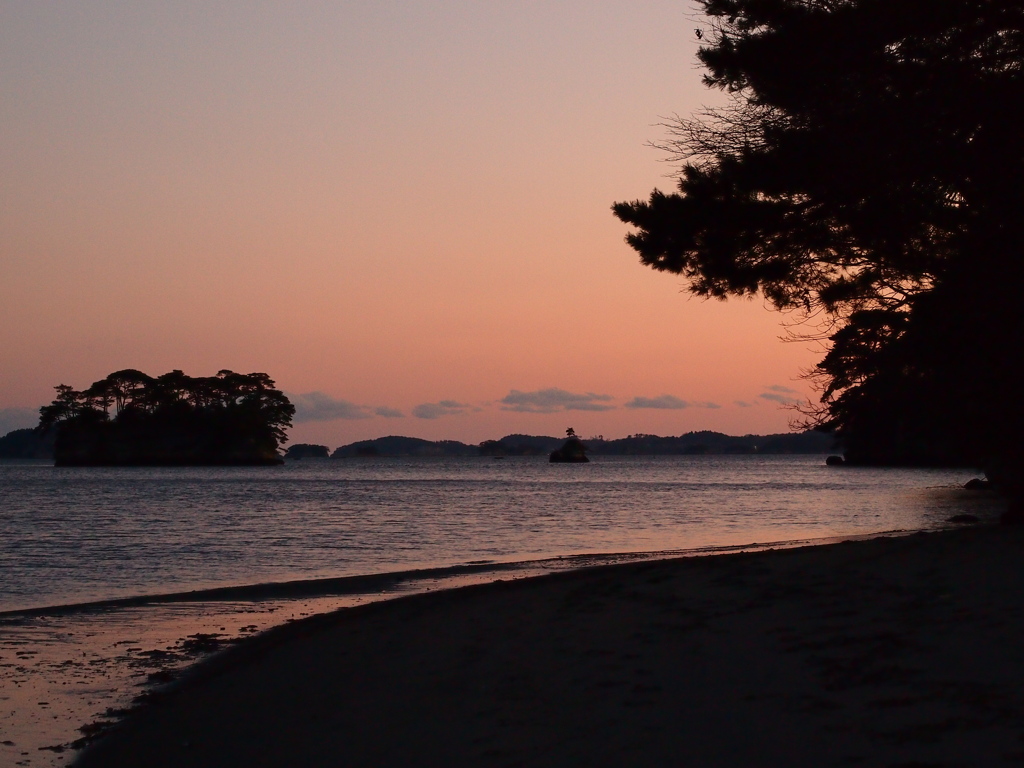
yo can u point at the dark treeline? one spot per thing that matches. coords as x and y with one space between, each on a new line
130 418
868 173
692 443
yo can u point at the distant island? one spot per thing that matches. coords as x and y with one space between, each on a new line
41 444
307 451
691 443
572 451
405 446
27 444
132 419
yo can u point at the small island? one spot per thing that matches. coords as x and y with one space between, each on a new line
131 419
573 451
307 451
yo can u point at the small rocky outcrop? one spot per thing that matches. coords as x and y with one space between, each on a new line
573 451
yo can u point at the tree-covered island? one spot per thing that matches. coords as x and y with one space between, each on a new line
131 419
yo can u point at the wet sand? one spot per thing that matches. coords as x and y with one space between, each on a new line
67 672
889 652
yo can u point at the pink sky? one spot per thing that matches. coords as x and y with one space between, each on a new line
391 206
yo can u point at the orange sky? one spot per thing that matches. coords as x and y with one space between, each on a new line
403 208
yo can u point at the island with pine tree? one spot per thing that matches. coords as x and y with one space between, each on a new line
132 419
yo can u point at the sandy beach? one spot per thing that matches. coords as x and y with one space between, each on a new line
889 652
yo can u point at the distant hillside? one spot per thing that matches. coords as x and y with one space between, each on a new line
692 443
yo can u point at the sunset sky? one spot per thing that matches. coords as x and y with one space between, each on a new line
400 211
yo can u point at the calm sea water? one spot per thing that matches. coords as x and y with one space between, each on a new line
72 535
80 534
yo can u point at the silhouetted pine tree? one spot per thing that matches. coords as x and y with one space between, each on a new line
868 173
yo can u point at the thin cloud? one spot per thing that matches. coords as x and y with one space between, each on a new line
777 398
388 413
17 418
743 404
317 406
439 409
666 402
777 393
553 400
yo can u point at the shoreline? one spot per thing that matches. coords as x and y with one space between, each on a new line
882 651
70 671
365 584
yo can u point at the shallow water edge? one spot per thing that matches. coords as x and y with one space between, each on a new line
69 672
